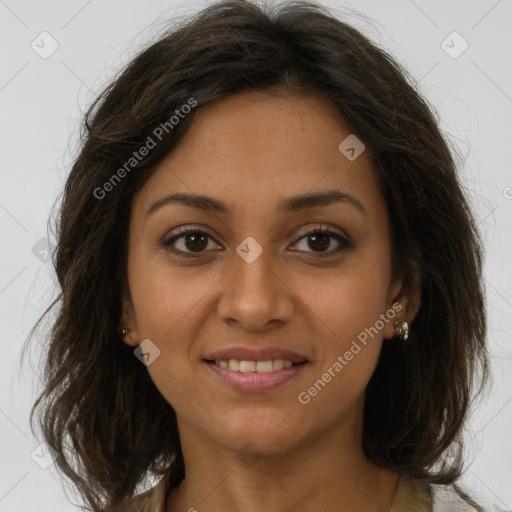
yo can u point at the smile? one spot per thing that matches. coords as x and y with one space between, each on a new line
255 376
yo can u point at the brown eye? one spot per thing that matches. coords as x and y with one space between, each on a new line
188 242
319 240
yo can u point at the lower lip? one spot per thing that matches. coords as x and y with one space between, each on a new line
255 381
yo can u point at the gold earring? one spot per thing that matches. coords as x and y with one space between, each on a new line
401 328
124 331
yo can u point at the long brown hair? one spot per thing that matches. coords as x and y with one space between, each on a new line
99 409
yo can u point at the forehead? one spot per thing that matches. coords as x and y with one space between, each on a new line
254 148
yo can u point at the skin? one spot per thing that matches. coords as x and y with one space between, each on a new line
266 451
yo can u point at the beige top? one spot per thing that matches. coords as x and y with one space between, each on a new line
410 496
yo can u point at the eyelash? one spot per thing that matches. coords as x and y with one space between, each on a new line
182 232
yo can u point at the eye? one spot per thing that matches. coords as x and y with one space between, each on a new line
319 239
192 240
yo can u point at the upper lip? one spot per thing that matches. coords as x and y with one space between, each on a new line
255 354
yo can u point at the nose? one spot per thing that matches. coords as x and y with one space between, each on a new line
254 296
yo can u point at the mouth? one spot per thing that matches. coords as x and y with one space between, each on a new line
255 376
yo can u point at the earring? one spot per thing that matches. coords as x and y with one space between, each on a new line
401 328
124 331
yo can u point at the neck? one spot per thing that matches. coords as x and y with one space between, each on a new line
219 479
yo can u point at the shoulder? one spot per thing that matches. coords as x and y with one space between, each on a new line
418 496
447 498
152 500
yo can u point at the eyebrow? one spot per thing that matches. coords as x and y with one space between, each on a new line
291 204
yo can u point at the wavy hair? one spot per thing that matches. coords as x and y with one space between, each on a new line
99 409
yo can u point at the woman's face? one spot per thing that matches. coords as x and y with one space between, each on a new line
253 274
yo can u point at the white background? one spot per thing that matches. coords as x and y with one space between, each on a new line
42 101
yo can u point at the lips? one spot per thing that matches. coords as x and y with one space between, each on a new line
254 354
256 382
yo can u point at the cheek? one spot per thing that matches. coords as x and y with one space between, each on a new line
164 295
171 306
351 313
349 299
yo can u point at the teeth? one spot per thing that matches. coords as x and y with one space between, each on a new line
247 366
270 365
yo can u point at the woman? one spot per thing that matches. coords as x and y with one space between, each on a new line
271 279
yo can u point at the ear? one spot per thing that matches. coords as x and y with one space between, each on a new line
128 321
405 299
